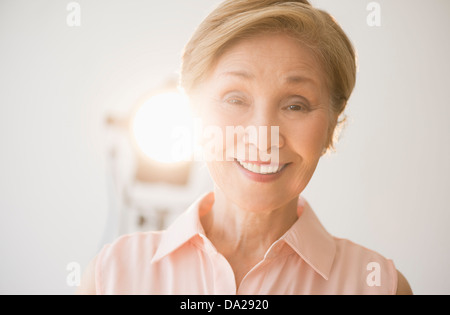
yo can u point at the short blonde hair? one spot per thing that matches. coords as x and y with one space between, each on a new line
235 20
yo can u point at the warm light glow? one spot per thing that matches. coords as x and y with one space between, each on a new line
162 126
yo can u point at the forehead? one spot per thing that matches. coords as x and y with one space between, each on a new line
270 56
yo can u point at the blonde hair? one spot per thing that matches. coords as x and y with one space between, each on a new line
235 20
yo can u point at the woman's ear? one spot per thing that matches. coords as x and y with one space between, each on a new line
337 122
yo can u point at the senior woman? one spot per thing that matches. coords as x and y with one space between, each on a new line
258 63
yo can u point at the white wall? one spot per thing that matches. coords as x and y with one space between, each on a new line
385 188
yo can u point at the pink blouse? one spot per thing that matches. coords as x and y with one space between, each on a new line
181 260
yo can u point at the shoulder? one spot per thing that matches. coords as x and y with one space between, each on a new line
347 249
120 262
116 256
138 243
369 271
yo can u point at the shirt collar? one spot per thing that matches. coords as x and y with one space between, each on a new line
307 237
184 228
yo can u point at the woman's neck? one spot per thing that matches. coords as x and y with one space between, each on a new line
243 233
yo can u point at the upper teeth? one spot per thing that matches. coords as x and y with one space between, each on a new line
261 169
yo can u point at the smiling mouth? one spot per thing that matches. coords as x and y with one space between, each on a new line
262 169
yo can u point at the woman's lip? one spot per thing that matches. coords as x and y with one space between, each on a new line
261 163
262 178
256 162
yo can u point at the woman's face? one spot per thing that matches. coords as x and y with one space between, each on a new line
266 81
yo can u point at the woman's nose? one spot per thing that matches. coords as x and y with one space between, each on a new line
264 137
263 133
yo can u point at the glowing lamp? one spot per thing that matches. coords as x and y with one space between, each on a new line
160 128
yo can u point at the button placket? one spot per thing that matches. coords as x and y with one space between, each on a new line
271 254
224 279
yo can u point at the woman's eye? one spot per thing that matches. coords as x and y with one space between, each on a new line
235 101
297 108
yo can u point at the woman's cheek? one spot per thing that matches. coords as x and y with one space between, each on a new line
220 174
309 137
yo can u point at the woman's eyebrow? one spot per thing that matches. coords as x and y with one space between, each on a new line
238 73
290 79
294 79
